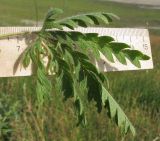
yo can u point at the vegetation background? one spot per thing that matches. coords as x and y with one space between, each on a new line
138 92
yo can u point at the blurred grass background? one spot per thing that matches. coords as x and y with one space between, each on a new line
138 92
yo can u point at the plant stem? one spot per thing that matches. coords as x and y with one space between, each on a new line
36 11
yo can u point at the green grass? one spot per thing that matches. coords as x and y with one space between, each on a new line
13 12
138 92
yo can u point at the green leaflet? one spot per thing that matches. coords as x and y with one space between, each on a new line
111 16
67 85
104 40
96 53
102 18
53 12
70 24
26 59
83 19
94 19
79 106
80 110
89 66
121 58
91 37
117 47
107 52
135 56
80 55
68 57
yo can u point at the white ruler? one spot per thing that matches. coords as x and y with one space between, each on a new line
12 48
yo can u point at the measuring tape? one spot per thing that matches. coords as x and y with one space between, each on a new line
11 48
